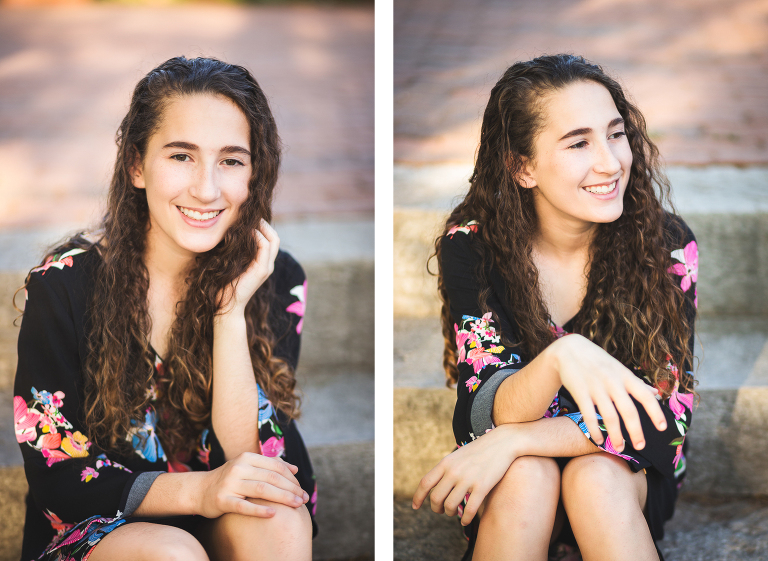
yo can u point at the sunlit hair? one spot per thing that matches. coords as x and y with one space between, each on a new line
633 308
119 367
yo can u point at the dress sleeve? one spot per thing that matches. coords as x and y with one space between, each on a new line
664 449
69 478
483 359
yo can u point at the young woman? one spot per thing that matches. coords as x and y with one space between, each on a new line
154 397
563 232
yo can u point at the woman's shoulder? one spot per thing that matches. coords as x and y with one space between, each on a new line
68 273
677 231
287 271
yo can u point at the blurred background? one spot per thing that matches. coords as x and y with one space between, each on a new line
67 70
698 70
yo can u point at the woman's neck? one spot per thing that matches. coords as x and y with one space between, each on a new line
166 263
561 236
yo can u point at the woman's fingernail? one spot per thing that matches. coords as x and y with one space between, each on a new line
306 496
663 425
640 445
298 500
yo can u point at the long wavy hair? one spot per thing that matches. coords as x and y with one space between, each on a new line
119 366
632 308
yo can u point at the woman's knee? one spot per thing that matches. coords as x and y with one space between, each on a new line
287 535
599 477
144 541
529 478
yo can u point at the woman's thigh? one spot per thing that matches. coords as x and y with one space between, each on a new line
144 541
286 536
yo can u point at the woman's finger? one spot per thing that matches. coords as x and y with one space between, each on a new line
275 479
610 417
628 412
426 484
587 409
454 499
636 388
271 235
247 508
268 492
476 498
275 465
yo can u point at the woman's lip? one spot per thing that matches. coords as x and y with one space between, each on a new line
604 196
199 223
200 210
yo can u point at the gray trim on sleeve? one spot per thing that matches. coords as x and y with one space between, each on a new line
482 407
139 490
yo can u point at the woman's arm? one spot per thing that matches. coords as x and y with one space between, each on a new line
477 467
225 489
235 407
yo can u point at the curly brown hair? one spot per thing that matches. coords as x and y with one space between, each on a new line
119 365
632 307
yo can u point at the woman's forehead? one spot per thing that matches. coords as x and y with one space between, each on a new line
204 120
579 105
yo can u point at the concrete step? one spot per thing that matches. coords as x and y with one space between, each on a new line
725 458
725 206
337 427
702 529
337 256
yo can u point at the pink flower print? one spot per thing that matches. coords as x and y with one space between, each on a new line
88 474
688 267
678 402
608 447
56 522
298 308
273 447
49 442
24 420
466 228
473 383
678 454
480 358
59 261
313 500
53 456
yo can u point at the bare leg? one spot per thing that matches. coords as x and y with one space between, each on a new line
143 541
604 501
287 536
519 514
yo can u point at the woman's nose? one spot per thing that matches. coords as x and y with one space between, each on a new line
606 161
205 187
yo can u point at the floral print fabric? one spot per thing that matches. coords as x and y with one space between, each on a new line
78 492
481 352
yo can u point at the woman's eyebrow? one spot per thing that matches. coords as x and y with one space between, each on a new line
579 132
192 147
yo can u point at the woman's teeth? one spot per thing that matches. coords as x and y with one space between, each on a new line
602 189
193 214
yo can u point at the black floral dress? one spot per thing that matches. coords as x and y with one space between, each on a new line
484 361
77 492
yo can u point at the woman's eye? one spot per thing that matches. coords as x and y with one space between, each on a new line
180 157
233 162
618 134
581 144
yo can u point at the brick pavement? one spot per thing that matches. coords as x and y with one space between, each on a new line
697 68
66 75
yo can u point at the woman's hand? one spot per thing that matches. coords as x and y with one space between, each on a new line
236 296
595 378
250 476
475 468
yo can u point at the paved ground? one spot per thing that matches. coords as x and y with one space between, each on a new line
697 68
66 75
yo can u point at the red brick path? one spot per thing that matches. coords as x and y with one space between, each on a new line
697 68
66 75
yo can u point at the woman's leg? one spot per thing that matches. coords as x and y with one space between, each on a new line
519 514
605 501
287 536
143 541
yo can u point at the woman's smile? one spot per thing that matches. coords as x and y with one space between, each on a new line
199 218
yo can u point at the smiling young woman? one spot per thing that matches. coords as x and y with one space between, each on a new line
573 440
155 390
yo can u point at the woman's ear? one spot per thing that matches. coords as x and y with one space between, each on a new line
136 172
525 175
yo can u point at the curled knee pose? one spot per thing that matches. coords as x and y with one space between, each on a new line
569 300
154 397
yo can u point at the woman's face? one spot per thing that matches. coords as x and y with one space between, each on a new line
195 171
583 159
